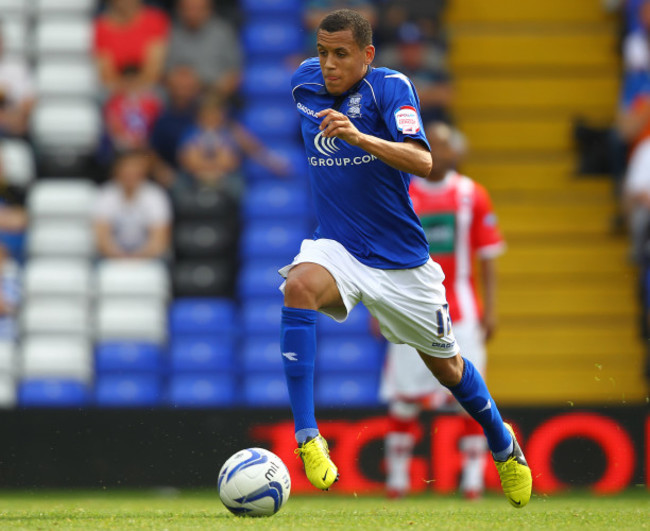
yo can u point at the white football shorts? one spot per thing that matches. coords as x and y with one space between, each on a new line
406 377
409 304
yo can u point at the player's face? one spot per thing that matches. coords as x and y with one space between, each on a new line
342 62
443 155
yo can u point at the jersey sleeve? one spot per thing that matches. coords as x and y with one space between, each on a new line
487 240
400 107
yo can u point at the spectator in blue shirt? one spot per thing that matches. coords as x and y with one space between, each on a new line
183 89
212 150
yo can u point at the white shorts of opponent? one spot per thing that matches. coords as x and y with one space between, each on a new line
409 304
405 376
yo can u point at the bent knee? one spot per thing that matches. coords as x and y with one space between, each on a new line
299 293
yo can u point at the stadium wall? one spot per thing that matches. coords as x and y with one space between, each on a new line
604 450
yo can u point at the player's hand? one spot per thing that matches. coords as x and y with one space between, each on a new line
489 325
339 125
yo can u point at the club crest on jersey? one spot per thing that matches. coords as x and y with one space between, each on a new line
354 106
407 120
326 146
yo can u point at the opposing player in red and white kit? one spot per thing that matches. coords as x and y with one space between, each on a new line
461 228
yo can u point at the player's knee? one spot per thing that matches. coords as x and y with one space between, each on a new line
298 293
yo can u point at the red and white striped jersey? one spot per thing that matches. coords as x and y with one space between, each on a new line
460 225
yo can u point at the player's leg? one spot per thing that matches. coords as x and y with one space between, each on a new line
413 310
399 444
468 387
473 446
308 287
405 384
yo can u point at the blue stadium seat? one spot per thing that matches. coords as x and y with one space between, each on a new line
356 354
202 390
358 322
276 200
259 278
202 353
52 393
272 38
284 8
262 354
133 390
347 390
273 239
267 79
271 121
261 316
202 316
265 390
293 152
129 356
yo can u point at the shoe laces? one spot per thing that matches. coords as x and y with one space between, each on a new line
315 458
510 466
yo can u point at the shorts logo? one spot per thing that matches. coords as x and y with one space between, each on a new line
443 345
326 146
407 120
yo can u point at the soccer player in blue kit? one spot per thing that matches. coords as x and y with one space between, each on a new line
363 137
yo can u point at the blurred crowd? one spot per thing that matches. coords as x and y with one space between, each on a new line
633 150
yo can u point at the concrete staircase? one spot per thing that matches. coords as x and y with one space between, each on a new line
568 305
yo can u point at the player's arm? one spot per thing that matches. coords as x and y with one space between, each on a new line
409 156
489 283
157 243
105 242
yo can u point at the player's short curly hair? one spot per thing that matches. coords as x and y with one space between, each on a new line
344 19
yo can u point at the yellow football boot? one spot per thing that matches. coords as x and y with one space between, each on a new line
516 478
320 469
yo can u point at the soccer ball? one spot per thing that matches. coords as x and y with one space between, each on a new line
254 482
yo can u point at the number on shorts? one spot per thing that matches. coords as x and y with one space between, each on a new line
444 322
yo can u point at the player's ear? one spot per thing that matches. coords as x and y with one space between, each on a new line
369 53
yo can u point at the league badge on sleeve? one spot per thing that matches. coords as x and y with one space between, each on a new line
407 120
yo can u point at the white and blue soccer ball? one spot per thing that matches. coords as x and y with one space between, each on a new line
254 482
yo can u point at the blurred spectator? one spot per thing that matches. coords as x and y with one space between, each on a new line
395 13
183 89
129 114
16 95
211 151
9 295
424 64
13 216
315 11
207 42
636 47
130 34
132 217
634 130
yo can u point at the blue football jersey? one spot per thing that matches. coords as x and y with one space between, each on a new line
360 201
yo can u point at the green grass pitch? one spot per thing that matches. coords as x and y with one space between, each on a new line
203 510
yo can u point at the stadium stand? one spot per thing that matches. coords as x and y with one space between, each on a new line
522 72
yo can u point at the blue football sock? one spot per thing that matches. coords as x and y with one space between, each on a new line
298 344
472 393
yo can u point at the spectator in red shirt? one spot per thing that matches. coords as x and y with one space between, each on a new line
129 33
129 114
